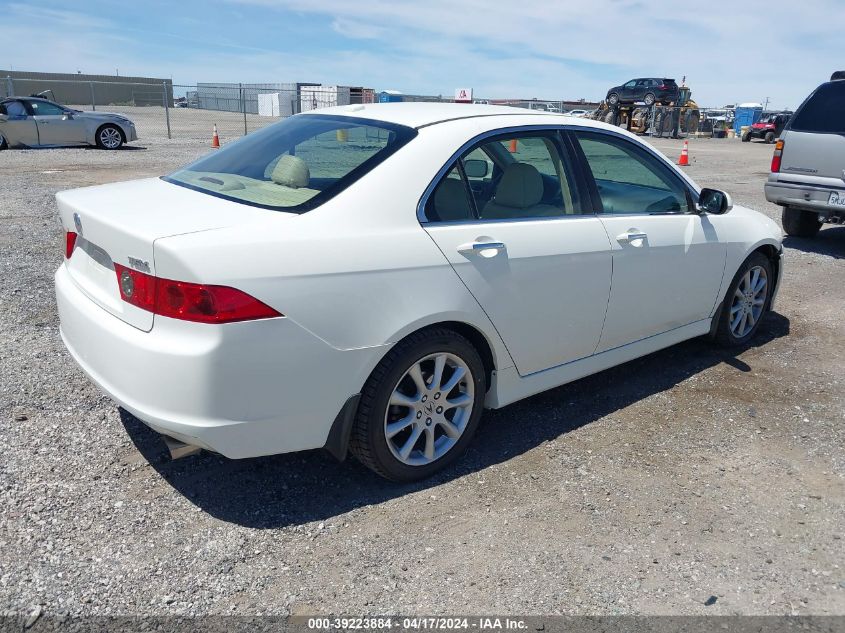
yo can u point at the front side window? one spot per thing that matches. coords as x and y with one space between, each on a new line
630 84
824 111
296 164
45 108
629 179
509 177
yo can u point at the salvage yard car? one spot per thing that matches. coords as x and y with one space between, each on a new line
647 90
807 176
35 122
371 277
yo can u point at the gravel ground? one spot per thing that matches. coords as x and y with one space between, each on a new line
651 488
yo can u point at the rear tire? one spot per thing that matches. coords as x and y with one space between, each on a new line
746 301
613 98
110 137
3 143
403 419
800 223
770 137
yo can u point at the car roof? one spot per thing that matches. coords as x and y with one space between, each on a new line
23 98
421 114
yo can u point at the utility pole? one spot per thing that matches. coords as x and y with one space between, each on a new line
766 107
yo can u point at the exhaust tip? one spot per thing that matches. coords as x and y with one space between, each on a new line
180 449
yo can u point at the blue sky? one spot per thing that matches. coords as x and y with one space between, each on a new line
548 49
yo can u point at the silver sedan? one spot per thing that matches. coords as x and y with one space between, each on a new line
36 122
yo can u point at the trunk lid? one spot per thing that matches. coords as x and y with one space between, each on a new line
817 158
120 222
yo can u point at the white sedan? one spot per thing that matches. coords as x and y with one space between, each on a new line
371 277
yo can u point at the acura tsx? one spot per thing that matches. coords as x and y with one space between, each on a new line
369 278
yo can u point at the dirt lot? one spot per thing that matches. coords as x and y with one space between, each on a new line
648 488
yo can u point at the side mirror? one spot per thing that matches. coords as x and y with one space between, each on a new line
67 116
475 168
714 202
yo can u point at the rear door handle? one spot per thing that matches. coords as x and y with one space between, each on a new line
479 247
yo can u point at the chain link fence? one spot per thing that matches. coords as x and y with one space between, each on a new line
178 111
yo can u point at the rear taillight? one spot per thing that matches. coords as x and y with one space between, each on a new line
664 87
777 156
70 242
188 301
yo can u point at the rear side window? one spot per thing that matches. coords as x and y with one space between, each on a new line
823 111
512 177
297 164
13 109
450 201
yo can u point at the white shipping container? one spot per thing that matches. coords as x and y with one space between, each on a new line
315 97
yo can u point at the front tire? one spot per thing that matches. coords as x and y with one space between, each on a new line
746 302
109 137
649 99
420 407
800 223
613 98
3 143
746 138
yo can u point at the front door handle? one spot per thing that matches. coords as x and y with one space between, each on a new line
631 236
482 248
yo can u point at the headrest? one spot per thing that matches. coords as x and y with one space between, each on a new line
521 186
450 201
291 171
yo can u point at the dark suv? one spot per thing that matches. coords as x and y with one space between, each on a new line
649 90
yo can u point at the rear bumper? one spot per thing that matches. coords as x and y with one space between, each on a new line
240 389
806 197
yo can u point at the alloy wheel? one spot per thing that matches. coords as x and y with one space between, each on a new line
749 300
110 138
429 409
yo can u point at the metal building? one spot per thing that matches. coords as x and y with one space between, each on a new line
95 90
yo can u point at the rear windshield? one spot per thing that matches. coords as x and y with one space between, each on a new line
296 164
823 111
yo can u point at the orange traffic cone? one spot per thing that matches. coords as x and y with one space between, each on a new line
215 140
512 147
683 161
